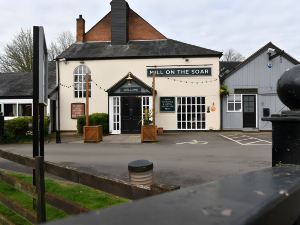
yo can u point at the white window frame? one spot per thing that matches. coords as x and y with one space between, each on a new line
146 104
80 71
234 102
115 116
198 120
17 102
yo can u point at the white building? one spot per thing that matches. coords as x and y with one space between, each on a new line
122 43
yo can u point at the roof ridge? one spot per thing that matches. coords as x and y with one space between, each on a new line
257 53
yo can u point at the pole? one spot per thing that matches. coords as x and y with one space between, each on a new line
153 96
87 79
40 188
35 118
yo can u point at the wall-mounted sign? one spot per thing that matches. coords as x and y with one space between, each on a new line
167 104
77 110
130 90
180 72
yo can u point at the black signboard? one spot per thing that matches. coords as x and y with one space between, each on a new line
180 72
130 90
167 104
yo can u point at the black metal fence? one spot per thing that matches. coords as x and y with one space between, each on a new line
266 197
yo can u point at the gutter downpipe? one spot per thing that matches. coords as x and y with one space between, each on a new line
58 136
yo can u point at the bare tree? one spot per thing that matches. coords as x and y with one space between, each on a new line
64 41
232 55
17 56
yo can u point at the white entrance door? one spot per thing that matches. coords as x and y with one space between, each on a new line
115 114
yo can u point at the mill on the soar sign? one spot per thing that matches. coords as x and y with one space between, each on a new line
167 104
180 72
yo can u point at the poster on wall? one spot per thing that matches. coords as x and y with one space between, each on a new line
77 110
167 104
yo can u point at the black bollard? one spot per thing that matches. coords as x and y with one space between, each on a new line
286 126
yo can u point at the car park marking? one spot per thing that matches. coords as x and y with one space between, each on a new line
246 140
193 142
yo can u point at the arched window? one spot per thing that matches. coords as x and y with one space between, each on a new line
79 81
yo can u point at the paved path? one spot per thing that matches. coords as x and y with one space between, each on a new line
182 159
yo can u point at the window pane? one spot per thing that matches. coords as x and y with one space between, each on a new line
230 106
238 106
188 100
203 100
193 100
188 117
188 108
188 125
179 125
203 108
179 108
178 101
10 109
230 98
25 110
238 98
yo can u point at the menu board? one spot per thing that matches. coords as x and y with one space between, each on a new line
77 110
167 104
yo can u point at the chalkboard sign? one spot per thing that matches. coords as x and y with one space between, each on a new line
167 104
77 110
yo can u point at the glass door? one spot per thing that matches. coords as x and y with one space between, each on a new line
114 117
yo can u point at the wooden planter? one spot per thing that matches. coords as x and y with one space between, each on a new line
148 133
160 131
92 134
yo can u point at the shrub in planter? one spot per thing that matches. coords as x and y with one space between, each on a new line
94 119
148 130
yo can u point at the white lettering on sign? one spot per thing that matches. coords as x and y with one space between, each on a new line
180 72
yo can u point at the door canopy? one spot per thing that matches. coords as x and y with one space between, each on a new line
130 85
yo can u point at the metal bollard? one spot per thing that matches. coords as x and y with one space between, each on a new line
141 172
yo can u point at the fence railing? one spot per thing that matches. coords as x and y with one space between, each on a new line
112 186
267 197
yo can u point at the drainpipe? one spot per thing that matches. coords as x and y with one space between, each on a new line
58 137
221 108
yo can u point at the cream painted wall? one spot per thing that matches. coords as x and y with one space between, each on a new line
107 72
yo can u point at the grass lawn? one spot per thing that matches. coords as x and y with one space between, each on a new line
87 197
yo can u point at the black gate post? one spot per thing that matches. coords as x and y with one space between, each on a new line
286 126
40 95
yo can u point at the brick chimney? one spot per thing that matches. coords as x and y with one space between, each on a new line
80 29
119 24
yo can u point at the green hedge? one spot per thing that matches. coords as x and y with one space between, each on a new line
94 119
19 129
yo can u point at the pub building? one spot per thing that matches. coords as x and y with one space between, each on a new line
121 52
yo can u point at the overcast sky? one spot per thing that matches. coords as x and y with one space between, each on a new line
245 25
